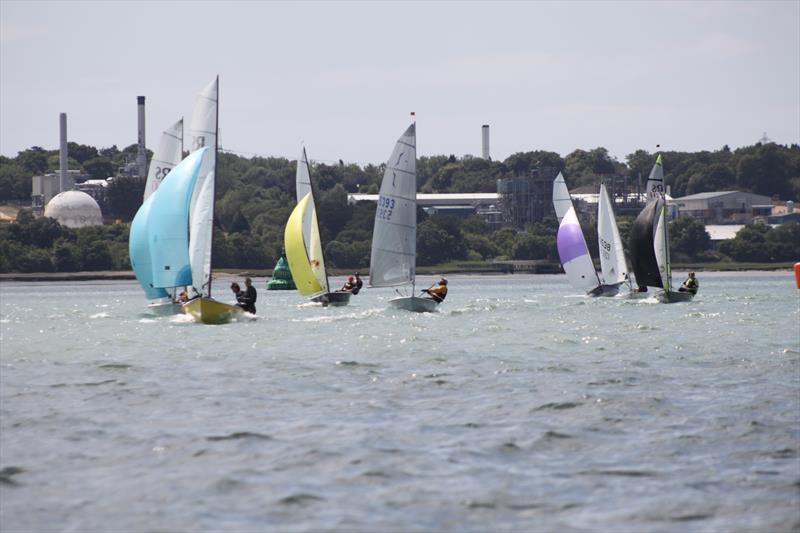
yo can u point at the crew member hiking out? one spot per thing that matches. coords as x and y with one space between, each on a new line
438 293
690 285
247 298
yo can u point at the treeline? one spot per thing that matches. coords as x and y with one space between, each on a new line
42 245
768 169
256 195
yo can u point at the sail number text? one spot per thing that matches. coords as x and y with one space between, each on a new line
605 248
161 172
385 207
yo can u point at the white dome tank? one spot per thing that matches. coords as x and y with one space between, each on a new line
74 209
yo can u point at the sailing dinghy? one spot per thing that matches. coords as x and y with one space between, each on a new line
160 240
394 236
303 244
572 248
649 241
205 136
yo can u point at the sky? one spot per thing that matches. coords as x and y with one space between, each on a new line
342 77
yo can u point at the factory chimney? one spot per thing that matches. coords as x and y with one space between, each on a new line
485 142
63 171
141 155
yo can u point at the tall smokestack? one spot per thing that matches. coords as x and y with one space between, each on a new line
62 154
485 142
141 155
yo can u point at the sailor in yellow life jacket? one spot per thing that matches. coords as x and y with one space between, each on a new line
438 293
690 285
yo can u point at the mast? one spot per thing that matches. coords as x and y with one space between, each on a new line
414 266
666 245
313 200
213 197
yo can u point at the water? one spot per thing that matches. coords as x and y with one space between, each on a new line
515 407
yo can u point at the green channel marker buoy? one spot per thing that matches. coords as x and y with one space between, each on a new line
281 276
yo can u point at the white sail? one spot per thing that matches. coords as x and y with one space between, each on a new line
203 128
574 254
655 181
311 236
166 157
201 220
561 199
302 176
661 247
394 237
303 186
612 255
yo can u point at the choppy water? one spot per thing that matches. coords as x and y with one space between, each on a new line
516 407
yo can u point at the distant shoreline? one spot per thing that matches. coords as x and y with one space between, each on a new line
422 271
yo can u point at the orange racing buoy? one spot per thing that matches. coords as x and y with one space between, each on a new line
797 274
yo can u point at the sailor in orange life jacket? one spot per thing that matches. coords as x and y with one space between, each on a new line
439 293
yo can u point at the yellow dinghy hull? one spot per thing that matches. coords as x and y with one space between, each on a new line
210 311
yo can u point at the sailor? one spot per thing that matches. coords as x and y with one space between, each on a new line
358 283
247 298
438 293
349 285
690 285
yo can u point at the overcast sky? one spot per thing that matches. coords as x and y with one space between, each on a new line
343 76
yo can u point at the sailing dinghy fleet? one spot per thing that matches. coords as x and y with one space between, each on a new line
648 244
171 240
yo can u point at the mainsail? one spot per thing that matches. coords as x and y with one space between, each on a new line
201 221
204 132
612 254
394 235
644 259
203 128
572 249
166 157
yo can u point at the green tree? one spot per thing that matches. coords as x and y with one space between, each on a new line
716 177
768 171
66 257
81 152
530 246
124 197
97 256
33 160
688 236
99 168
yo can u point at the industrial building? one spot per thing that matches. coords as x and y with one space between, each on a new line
733 207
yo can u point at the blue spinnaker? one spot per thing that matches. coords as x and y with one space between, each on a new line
139 250
159 242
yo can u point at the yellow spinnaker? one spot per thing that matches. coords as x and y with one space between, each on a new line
306 270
